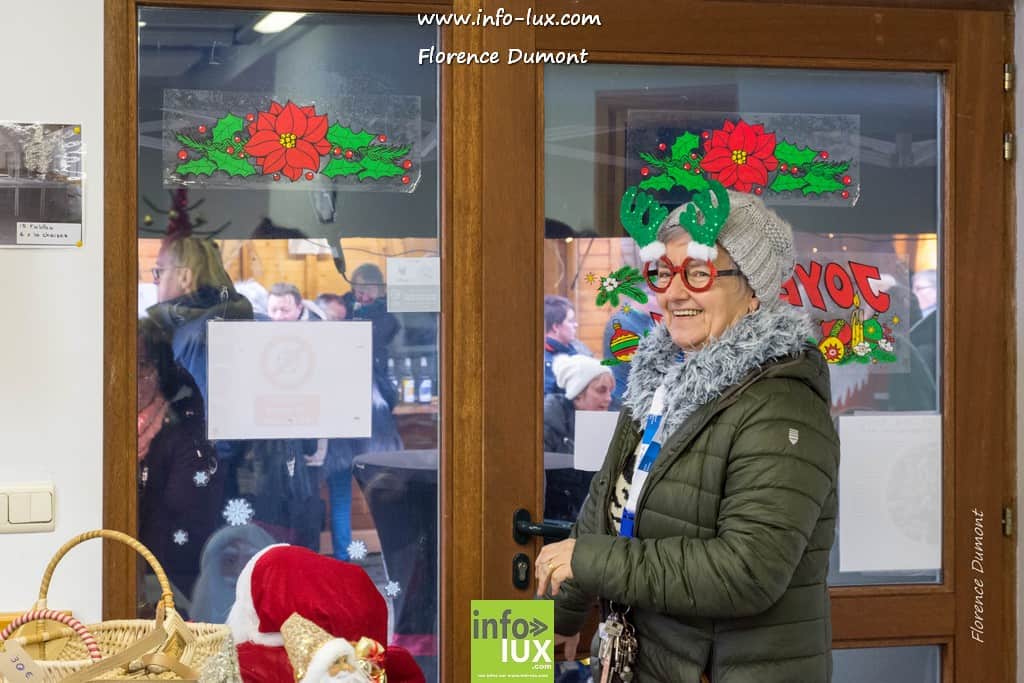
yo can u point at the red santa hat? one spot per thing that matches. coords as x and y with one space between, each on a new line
337 596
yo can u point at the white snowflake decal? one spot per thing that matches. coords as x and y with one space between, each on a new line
356 550
238 512
181 537
201 478
392 589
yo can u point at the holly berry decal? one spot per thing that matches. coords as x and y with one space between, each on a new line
745 158
289 141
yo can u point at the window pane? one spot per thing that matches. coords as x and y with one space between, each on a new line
856 171
288 303
922 664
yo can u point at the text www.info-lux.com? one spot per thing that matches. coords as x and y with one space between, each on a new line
502 18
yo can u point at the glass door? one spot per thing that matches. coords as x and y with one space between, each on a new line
289 295
860 181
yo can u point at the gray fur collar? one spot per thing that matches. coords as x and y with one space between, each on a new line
768 333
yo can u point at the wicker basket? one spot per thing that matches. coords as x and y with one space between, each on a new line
166 648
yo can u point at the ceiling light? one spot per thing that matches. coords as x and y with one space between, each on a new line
276 22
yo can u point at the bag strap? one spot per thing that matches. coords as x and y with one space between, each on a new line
136 651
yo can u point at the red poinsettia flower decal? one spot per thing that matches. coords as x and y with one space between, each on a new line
740 155
288 140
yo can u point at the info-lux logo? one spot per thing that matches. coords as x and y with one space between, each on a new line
512 637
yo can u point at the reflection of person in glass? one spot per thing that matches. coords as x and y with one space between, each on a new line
560 326
192 289
223 557
369 302
284 302
709 525
287 489
180 483
924 335
588 386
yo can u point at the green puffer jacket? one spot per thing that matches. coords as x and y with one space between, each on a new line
727 571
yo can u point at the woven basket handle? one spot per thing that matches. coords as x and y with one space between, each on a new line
166 598
53 615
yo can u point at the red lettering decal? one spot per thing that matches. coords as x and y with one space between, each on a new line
810 281
839 286
862 273
791 293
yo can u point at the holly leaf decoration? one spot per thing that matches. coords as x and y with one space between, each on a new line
231 165
658 182
684 144
344 137
785 182
196 167
341 166
225 129
674 176
186 141
381 153
695 182
788 153
378 169
822 177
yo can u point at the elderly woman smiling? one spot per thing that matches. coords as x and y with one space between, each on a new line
707 531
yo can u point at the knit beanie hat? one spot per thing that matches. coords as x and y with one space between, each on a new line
758 240
574 373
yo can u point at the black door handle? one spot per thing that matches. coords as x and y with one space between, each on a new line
523 528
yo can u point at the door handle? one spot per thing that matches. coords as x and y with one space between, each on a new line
523 527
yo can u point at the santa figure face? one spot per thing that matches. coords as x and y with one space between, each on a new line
343 667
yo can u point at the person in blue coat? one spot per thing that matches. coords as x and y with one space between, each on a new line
560 327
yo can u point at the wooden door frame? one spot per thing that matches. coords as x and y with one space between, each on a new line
491 126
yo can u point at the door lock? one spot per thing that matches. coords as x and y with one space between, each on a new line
521 571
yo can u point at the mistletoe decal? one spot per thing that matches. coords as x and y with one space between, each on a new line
289 141
745 158
625 281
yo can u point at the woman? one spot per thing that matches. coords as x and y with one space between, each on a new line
180 484
718 565
192 289
588 385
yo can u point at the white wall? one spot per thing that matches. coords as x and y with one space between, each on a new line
51 363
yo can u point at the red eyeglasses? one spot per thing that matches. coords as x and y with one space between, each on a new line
697 275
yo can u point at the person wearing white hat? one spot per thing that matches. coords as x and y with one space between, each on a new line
588 385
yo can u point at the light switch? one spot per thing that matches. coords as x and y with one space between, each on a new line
19 508
27 507
41 507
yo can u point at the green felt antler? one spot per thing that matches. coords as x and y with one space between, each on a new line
635 204
713 206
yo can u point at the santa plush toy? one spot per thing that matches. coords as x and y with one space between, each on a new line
337 635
